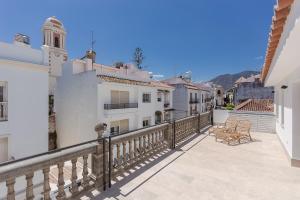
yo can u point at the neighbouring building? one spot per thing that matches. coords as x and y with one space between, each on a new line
188 98
251 88
54 39
218 97
281 70
206 92
23 99
123 97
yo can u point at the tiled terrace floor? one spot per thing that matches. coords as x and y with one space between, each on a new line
204 169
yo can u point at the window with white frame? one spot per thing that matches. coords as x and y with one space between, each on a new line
146 98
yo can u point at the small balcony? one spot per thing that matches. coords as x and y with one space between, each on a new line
120 106
166 104
3 111
194 101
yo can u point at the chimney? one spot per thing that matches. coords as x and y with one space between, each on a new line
91 55
21 38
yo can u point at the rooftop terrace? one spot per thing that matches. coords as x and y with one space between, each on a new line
205 169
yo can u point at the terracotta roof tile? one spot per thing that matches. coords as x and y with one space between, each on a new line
281 11
256 105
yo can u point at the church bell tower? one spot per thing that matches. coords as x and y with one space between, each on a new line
54 39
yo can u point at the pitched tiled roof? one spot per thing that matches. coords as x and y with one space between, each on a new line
281 12
161 84
256 105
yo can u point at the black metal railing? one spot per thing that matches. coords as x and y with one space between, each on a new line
194 101
120 106
3 111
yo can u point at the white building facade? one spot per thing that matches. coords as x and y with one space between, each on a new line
123 98
188 98
282 70
23 100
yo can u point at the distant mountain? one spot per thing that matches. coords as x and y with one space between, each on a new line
228 80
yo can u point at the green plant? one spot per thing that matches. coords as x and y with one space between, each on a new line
229 106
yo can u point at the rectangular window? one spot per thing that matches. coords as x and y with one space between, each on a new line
3 149
119 97
159 96
117 127
3 101
146 98
282 108
146 122
191 96
277 104
196 96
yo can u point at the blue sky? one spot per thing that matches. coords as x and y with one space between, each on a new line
208 37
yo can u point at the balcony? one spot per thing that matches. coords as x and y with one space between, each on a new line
194 101
120 106
152 163
3 111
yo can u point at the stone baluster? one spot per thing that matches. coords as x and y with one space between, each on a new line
118 155
85 172
74 188
148 141
140 147
144 144
29 188
135 148
124 153
152 139
61 183
10 184
46 188
130 151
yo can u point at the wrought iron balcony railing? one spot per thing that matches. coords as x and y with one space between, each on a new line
120 106
3 111
166 104
192 101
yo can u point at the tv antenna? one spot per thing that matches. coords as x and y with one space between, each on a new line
92 47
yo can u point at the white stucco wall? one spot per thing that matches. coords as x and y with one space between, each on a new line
27 125
80 99
220 116
76 106
285 70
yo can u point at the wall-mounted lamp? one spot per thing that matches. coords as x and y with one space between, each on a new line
273 92
284 87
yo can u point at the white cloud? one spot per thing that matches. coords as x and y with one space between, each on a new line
158 76
258 57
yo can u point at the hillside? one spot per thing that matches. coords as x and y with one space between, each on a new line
227 80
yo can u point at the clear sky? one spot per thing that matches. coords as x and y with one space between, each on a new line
208 37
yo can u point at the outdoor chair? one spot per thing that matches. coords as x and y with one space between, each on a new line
224 132
221 125
242 130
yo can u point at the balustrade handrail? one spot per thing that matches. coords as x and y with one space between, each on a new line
138 132
132 148
40 162
120 106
